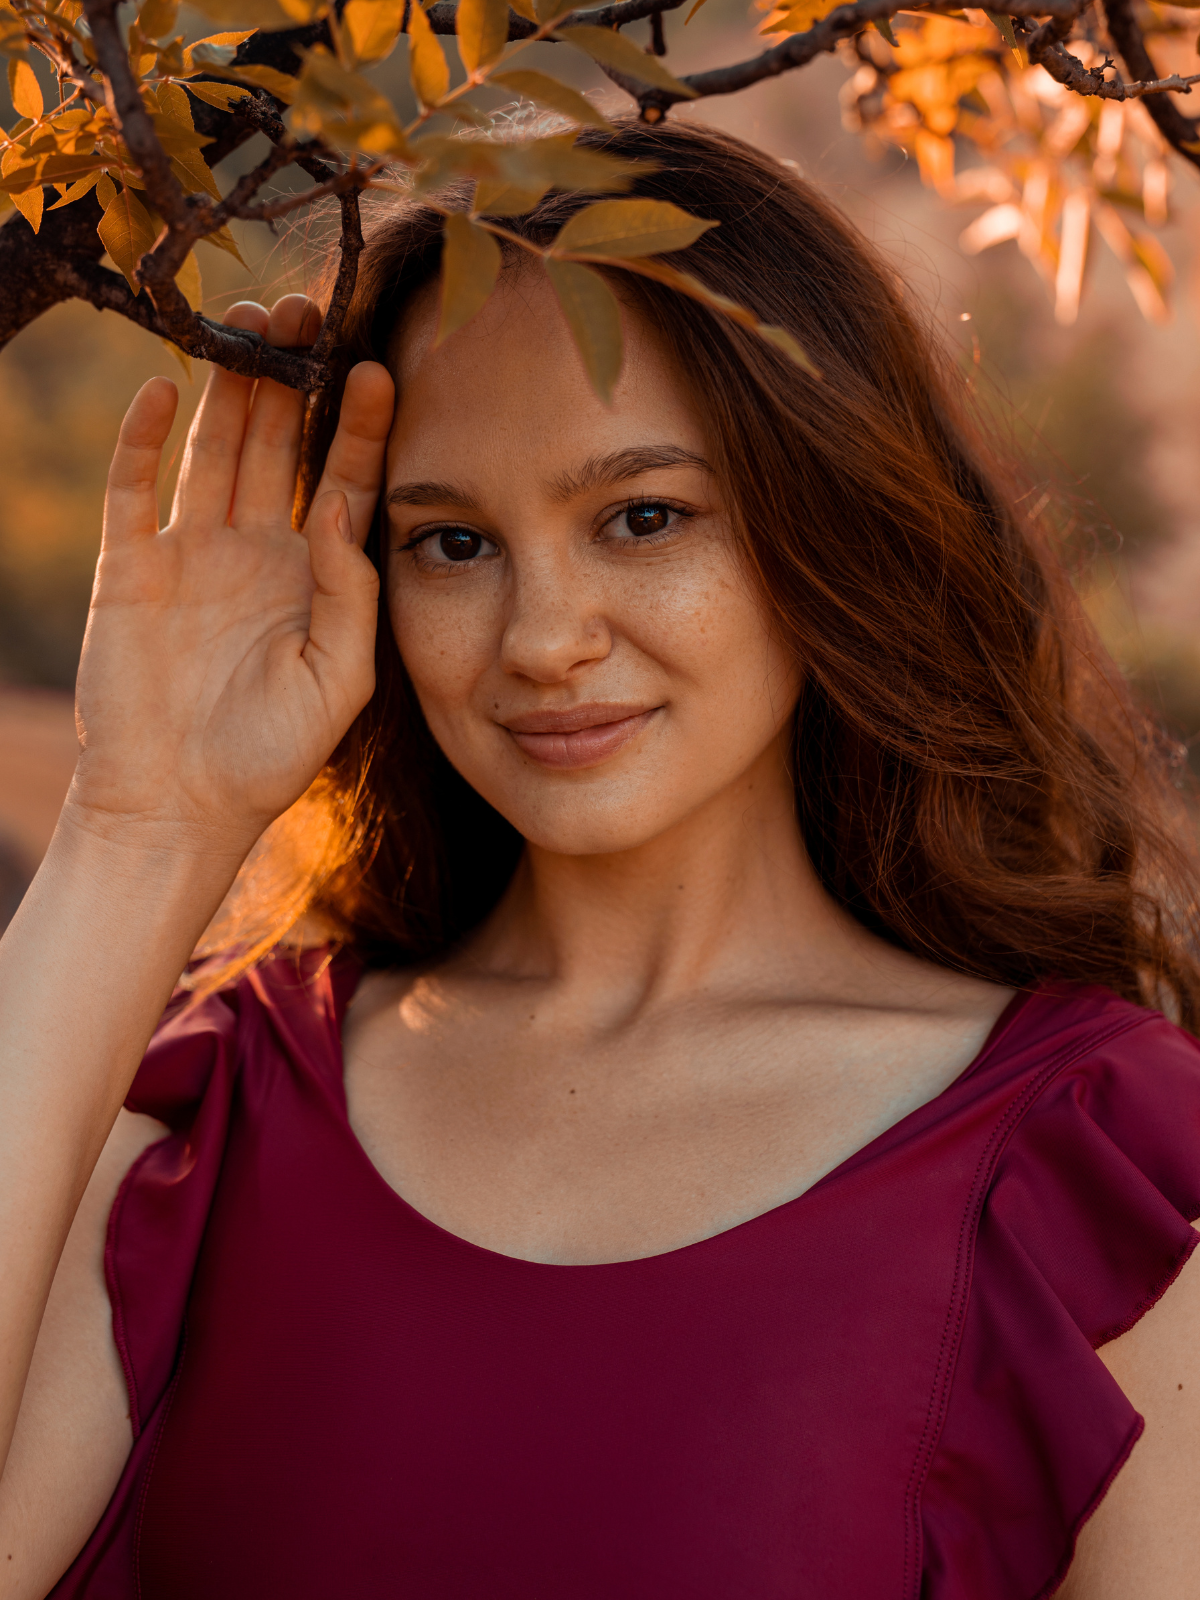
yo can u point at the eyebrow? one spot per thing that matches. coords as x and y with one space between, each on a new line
432 494
594 473
598 471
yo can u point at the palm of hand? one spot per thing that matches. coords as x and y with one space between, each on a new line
227 654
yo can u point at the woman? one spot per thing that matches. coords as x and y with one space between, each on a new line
724 1104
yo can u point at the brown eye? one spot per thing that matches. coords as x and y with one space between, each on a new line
641 520
459 544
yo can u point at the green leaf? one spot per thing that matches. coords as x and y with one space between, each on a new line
127 233
624 228
546 91
373 26
482 29
884 25
426 61
615 50
594 318
470 265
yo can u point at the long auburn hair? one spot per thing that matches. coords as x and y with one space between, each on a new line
973 781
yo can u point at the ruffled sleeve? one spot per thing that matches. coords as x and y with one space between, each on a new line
155 1228
1085 1225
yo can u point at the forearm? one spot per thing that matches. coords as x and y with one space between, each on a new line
86 967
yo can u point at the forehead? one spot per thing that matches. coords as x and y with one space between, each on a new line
509 390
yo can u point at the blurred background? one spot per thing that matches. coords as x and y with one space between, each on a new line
1104 411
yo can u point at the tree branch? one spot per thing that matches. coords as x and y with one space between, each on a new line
1126 33
798 49
129 112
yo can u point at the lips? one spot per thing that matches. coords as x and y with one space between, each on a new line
580 737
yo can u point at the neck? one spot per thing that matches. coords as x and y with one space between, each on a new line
724 900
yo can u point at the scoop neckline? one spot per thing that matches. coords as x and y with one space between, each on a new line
339 994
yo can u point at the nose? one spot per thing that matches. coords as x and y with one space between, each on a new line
556 622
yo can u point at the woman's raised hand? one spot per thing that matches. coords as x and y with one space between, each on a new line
226 654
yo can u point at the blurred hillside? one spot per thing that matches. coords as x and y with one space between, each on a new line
1105 413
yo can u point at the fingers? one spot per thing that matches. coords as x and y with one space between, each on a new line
341 632
354 465
131 501
209 473
270 454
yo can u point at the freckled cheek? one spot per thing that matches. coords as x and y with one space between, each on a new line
447 641
704 625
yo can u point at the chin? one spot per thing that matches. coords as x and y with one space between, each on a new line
576 825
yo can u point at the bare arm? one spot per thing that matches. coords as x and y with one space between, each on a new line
225 656
1144 1541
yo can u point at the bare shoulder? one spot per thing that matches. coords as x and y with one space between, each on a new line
73 1432
1142 1542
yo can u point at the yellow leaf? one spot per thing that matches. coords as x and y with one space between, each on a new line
266 14
426 61
214 52
184 360
224 240
470 265
558 163
187 281
789 344
524 8
77 190
616 51
547 91
281 84
223 95
547 10
24 89
157 18
495 198
687 283
625 228
173 102
29 204
692 12
373 27
482 29
127 234
14 40
106 191
343 107
176 137
594 318
194 173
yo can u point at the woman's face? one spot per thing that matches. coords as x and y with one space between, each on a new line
564 585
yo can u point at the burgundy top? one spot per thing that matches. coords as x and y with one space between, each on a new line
884 1389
